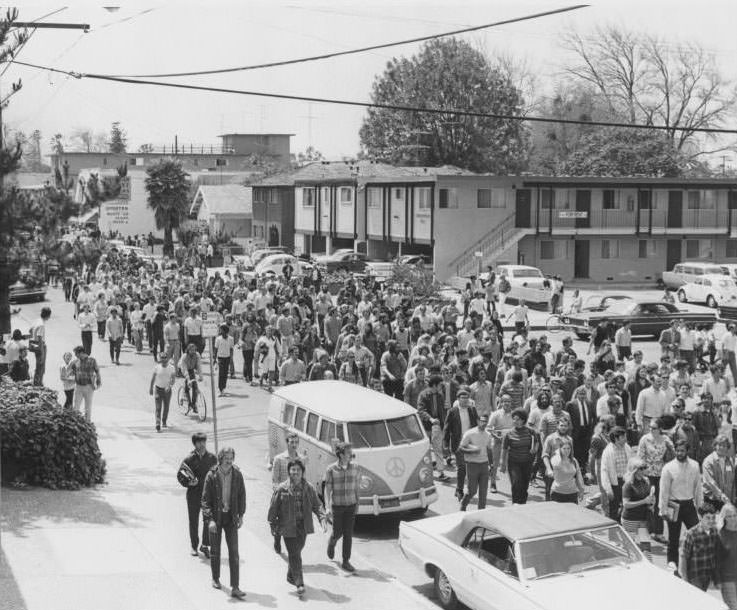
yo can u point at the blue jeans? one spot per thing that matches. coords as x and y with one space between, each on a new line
294 551
162 397
230 527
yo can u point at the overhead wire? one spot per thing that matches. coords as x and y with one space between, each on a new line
375 47
399 107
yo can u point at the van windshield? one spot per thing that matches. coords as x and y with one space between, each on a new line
404 430
401 430
368 434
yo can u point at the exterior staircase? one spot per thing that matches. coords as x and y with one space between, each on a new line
488 248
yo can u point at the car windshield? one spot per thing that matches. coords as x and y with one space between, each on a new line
404 430
527 273
620 308
577 552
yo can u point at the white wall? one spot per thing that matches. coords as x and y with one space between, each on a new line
397 213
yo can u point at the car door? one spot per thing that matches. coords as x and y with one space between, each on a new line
493 582
694 289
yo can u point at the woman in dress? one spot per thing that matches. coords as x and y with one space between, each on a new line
638 499
655 449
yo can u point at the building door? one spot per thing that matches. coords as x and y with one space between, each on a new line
732 205
583 204
673 254
675 210
581 259
523 209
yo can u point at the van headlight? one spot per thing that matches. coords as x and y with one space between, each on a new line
425 475
426 459
365 483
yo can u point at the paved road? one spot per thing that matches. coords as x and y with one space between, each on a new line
242 424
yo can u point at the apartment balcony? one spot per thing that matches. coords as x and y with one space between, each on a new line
628 222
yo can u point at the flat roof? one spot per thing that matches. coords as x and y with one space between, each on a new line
536 519
341 401
222 135
620 181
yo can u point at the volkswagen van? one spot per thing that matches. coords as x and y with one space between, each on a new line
390 446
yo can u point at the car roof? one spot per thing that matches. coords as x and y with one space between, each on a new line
537 519
272 257
513 267
343 401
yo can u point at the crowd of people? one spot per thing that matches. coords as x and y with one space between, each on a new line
654 439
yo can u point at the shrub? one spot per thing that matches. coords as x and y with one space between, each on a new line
43 444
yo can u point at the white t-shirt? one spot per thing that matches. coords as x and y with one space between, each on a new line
164 376
223 346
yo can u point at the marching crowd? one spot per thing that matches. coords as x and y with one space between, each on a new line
656 439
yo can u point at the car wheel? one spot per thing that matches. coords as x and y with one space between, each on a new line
444 591
682 296
711 301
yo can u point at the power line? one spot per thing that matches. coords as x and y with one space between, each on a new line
355 51
419 109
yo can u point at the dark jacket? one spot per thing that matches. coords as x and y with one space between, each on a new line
431 405
212 504
453 433
283 509
577 430
200 466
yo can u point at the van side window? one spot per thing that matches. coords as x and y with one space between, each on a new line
312 425
339 431
327 431
299 419
287 414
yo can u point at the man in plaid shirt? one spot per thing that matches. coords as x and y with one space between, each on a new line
341 499
698 558
86 379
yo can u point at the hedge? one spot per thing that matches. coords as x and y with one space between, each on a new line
44 444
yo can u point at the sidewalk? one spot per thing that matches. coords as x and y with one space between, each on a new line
124 546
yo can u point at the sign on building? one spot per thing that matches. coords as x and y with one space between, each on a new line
114 213
573 214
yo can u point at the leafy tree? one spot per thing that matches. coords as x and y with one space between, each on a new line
57 144
146 148
625 152
644 80
168 196
32 153
309 155
118 139
29 223
446 73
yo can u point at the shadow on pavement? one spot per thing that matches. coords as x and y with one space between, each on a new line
30 508
12 599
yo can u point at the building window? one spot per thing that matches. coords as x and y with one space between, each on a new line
373 198
731 248
325 194
645 199
221 162
273 196
423 199
630 203
694 201
308 198
447 198
646 248
547 250
483 198
609 248
608 200
196 162
547 199
398 194
346 195
692 247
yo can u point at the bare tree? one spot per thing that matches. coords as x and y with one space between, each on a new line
645 80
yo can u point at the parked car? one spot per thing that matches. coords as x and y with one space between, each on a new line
527 284
258 255
600 303
730 269
275 262
685 272
713 290
541 556
24 291
343 260
647 317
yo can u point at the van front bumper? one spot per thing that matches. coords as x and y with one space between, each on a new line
376 505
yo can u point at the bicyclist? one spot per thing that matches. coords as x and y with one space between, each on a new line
190 365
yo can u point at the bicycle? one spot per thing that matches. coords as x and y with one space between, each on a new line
554 323
184 407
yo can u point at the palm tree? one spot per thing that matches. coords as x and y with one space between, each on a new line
168 196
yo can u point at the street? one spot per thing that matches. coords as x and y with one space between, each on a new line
123 411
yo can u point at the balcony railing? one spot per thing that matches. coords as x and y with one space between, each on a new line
618 219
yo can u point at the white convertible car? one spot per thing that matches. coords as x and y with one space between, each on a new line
541 556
